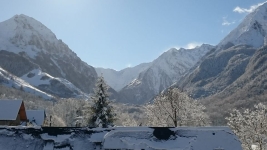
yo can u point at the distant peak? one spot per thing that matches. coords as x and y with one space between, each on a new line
262 5
182 49
204 45
23 18
251 31
172 49
21 15
24 22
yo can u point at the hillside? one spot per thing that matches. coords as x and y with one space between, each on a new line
248 90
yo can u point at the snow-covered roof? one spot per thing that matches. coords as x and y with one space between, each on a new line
9 109
181 138
196 138
36 117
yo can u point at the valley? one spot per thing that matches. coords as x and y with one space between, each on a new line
228 75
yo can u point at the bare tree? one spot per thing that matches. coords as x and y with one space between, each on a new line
250 126
128 115
67 109
176 108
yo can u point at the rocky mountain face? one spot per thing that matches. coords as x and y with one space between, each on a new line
233 75
31 51
247 90
228 62
162 73
217 71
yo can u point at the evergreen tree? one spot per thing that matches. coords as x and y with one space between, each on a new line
102 112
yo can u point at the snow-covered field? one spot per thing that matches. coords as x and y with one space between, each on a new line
135 138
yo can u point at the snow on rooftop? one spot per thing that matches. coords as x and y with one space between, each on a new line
9 109
37 117
199 138
184 138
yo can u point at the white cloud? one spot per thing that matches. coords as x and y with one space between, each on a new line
192 45
247 10
226 22
129 65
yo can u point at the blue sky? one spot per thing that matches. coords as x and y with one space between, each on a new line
122 33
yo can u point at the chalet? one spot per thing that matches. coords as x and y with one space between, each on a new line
36 117
12 112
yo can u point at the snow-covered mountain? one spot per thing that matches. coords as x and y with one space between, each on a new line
221 68
30 50
251 31
10 80
233 75
119 79
162 73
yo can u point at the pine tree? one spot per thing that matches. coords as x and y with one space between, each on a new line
102 112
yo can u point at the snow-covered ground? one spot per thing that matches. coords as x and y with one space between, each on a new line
136 138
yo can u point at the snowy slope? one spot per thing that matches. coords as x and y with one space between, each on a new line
183 138
162 73
35 46
251 31
40 79
10 80
119 79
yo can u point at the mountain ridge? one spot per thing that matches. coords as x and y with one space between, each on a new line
162 73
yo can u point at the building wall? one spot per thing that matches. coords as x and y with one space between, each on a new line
4 122
11 122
